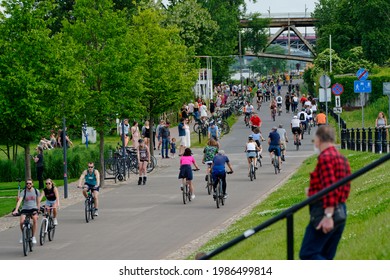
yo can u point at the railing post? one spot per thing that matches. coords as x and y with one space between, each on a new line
348 138
364 140
353 139
290 236
343 138
384 140
358 139
377 140
369 140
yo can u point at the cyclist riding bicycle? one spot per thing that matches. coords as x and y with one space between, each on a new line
255 121
251 150
274 145
248 111
52 198
219 173
279 101
90 180
257 137
30 198
283 140
302 116
209 152
186 160
272 107
296 129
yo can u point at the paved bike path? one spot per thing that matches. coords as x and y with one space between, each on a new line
151 222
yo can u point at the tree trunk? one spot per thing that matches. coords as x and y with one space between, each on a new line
101 149
27 164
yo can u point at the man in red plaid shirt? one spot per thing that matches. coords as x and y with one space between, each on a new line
320 242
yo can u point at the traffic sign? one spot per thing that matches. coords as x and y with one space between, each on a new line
337 110
325 95
337 101
337 89
362 74
325 81
362 86
386 88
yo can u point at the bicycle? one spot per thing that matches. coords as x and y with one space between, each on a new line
259 163
47 225
275 162
185 188
89 205
27 234
252 170
219 195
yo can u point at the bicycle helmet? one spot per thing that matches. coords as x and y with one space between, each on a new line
250 136
295 117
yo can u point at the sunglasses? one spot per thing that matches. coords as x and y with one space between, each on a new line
48 183
28 183
90 167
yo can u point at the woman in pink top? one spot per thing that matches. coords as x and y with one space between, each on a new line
185 169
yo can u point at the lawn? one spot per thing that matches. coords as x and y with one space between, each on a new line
366 233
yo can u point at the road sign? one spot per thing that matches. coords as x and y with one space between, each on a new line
337 110
325 96
337 101
337 89
362 74
325 81
386 88
362 86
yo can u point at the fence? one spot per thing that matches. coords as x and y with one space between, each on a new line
365 139
289 213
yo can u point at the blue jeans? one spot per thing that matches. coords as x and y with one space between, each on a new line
317 245
164 147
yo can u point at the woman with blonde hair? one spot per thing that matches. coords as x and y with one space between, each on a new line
52 198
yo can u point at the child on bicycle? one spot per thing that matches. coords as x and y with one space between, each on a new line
52 198
186 161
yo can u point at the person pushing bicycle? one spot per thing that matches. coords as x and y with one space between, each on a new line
30 198
90 181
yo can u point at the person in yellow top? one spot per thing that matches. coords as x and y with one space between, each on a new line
321 118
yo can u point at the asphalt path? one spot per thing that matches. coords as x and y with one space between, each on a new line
151 222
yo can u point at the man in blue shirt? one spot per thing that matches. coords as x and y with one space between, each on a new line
213 131
274 145
218 171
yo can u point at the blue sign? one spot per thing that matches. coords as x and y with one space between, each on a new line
337 89
362 86
362 74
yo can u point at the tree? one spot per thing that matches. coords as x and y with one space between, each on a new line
109 56
170 67
31 70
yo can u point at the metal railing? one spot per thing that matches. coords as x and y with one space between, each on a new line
288 214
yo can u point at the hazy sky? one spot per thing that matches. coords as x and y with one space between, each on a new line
281 6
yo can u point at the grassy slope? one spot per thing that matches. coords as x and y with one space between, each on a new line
368 225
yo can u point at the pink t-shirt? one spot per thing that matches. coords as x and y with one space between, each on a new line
187 160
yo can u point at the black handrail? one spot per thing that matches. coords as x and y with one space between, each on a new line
288 213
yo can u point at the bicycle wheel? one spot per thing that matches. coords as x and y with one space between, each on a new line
221 195
308 129
251 172
25 240
51 230
276 165
225 127
188 192
197 128
30 235
259 163
218 194
42 233
134 165
151 165
209 184
110 166
87 210
185 197
254 172
92 208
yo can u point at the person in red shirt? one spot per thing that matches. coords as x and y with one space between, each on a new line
320 241
255 121
303 100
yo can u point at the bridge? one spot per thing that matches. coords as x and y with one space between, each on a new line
289 24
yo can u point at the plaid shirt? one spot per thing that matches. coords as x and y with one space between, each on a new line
331 167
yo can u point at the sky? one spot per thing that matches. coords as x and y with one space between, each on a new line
281 6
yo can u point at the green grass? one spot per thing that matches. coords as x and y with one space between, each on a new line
366 233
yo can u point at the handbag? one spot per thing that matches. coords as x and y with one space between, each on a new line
317 213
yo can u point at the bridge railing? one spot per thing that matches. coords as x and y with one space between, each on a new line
289 214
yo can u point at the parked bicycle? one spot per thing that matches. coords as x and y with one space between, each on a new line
47 225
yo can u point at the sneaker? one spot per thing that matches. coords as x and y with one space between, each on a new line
283 159
34 240
55 222
225 196
214 195
192 196
96 213
261 156
21 240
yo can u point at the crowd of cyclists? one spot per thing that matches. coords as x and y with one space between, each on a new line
213 156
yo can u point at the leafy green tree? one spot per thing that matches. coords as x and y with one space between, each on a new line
170 67
32 73
110 60
264 65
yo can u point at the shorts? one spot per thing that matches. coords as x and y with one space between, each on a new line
91 187
275 149
251 154
33 211
50 203
296 130
186 172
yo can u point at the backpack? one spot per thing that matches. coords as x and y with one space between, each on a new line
24 196
302 116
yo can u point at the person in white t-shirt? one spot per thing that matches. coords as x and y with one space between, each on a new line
296 129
